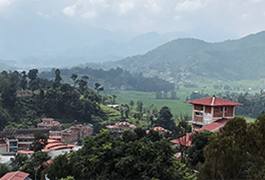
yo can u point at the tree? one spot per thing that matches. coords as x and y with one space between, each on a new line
4 169
23 82
131 104
98 87
82 83
33 83
165 119
8 87
107 157
114 97
19 161
35 165
195 152
74 78
139 106
237 152
57 81
40 141
60 168
173 95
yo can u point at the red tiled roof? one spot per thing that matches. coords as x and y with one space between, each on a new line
18 175
214 126
159 129
214 101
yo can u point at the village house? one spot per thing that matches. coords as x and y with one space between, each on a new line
121 126
210 114
211 109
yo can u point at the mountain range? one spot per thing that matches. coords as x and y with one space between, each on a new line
188 58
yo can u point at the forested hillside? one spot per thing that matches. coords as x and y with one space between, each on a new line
115 79
184 59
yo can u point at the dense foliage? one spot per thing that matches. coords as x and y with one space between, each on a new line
43 98
237 152
109 157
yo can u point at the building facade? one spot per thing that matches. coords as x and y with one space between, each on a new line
208 110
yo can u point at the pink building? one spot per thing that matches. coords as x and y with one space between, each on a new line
211 109
121 126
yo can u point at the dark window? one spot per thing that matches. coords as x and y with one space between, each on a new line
198 113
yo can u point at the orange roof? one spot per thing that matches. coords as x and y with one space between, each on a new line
18 175
214 101
25 152
50 145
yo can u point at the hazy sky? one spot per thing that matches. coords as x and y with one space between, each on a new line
238 17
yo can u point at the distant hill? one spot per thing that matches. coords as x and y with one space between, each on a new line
187 58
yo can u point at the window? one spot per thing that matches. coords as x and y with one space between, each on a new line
226 109
221 109
201 108
198 113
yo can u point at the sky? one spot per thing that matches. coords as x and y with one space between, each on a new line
239 17
226 18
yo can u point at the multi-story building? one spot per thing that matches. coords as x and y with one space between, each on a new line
211 109
14 140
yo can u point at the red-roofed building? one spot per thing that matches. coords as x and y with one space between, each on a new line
121 126
161 130
215 126
211 109
18 175
49 123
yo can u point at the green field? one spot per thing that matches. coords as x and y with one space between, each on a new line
148 98
179 106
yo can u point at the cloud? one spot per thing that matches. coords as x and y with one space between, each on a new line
125 7
189 6
43 15
86 8
4 3
70 10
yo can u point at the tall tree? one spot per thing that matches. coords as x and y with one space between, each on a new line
165 119
34 82
131 104
8 88
57 81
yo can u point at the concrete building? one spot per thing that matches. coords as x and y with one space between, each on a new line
211 109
